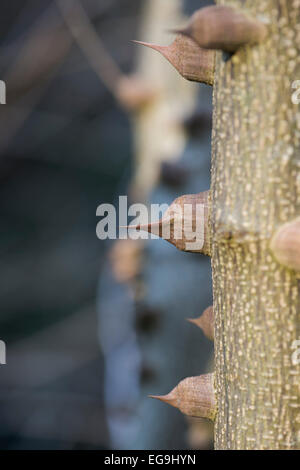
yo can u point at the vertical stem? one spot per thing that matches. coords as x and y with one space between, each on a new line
255 189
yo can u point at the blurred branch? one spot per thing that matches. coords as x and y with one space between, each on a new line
89 42
35 65
41 52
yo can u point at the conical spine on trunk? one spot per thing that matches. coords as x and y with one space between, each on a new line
224 28
193 396
205 322
186 224
285 245
189 59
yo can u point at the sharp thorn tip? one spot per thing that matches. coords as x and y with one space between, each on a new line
148 44
155 397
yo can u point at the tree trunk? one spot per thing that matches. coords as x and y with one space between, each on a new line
256 189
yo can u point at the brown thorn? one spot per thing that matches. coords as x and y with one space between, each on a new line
169 398
205 322
171 226
195 321
285 244
224 28
155 47
193 396
150 228
188 58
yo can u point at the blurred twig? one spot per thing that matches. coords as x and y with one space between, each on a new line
91 45
34 66
41 50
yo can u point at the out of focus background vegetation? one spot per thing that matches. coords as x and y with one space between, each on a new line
68 317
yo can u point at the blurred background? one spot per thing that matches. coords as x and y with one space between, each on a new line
92 327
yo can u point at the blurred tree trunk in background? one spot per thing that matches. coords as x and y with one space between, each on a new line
156 133
164 288
169 294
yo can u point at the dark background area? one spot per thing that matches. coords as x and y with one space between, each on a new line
58 166
65 148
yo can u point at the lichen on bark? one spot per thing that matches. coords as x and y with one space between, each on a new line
256 189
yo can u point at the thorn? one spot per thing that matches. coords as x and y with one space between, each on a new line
169 398
193 396
191 61
155 228
205 322
185 224
189 231
137 227
285 244
155 47
224 28
195 321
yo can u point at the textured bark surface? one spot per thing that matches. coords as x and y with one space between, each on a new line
255 189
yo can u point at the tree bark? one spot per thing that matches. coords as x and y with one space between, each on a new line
256 189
